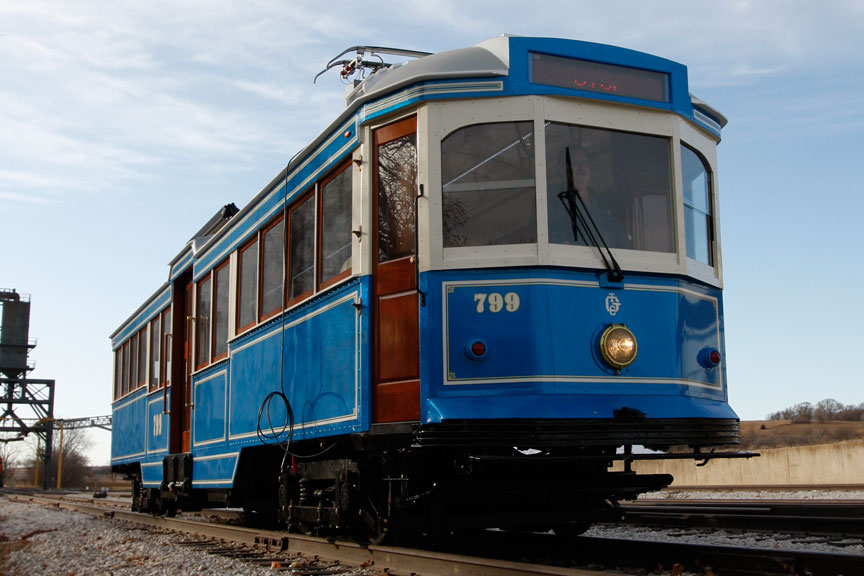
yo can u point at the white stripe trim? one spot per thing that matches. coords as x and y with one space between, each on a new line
585 380
448 287
431 89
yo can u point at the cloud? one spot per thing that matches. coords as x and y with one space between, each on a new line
27 180
114 94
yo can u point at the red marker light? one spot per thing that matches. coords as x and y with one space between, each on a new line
478 348
714 357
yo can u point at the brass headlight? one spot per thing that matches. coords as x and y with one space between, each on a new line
618 346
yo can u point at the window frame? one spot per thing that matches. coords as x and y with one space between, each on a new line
319 224
299 203
532 133
214 358
442 118
208 346
239 295
635 226
154 353
712 224
126 367
164 370
142 355
133 363
264 316
118 372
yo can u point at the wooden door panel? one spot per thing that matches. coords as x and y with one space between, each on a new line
398 338
397 402
186 397
396 276
396 393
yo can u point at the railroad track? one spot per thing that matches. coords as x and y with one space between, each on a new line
504 553
824 518
251 543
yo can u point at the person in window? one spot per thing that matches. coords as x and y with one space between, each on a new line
605 209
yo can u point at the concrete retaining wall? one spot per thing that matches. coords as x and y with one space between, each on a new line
839 463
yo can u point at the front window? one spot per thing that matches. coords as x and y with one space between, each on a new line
623 179
489 185
697 207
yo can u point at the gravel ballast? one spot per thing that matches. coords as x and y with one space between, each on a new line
42 540
37 540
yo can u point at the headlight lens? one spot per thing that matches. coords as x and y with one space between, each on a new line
618 346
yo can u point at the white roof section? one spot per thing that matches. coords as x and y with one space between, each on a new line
489 58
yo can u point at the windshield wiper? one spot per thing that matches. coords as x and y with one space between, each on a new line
580 216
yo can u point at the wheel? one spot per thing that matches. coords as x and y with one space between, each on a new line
571 530
137 495
168 508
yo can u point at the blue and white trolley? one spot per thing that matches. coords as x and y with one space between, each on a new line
496 268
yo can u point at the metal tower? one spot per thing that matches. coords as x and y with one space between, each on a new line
20 397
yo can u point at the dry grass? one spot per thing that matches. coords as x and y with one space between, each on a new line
780 433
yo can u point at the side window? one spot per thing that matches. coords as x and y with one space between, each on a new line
142 358
220 312
133 366
202 322
301 258
118 373
155 350
126 368
698 222
272 242
335 259
166 347
489 185
320 220
247 293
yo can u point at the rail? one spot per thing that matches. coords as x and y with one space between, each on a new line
497 552
388 559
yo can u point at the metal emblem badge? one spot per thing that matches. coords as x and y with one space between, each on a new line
612 304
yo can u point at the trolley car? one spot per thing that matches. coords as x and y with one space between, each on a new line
485 282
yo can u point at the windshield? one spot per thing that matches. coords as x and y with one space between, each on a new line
623 179
488 172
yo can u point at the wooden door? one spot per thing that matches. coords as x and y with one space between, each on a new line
186 399
396 392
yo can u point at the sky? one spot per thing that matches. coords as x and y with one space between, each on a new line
125 125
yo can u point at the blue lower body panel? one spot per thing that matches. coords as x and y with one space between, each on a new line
314 360
541 330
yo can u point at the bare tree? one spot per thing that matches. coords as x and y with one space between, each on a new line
10 451
9 455
75 464
825 410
